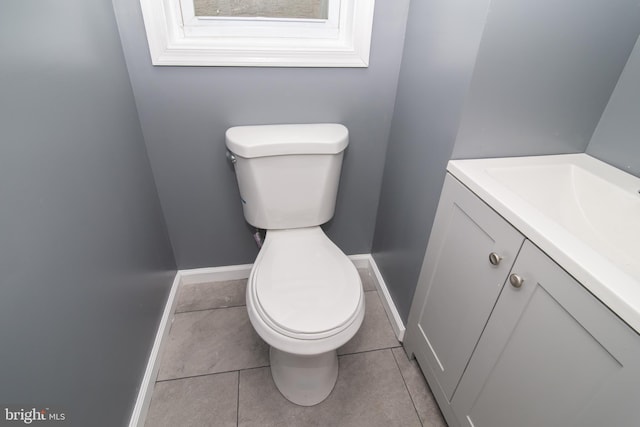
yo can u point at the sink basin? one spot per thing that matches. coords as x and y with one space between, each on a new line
596 210
583 212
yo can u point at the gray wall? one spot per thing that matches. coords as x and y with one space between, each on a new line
184 112
617 136
442 40
544 74
85 262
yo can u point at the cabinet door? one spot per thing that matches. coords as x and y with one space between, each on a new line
458 285
551 355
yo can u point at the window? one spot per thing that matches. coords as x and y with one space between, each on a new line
280 33
302 9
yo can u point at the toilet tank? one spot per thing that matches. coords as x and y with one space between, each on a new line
288 174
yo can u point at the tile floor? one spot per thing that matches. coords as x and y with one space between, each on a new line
214 371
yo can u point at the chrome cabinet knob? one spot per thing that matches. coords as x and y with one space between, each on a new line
516 281
494 258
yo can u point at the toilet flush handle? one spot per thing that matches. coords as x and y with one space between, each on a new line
231 157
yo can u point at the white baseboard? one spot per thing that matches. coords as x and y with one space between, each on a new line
234 272
215 274
151 372
367 261
361 260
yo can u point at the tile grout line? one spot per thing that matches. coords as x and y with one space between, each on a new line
238 402
413 403
210 373
369 351
266 366
210 308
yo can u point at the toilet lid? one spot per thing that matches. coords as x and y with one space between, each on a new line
304 283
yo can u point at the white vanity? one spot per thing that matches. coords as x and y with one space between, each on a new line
527 310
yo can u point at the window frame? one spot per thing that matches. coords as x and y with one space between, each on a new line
177 37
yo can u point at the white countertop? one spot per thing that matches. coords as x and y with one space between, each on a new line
583 213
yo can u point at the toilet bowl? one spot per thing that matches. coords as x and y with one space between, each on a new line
305 299
304 295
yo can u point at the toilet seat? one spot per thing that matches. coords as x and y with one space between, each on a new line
303 287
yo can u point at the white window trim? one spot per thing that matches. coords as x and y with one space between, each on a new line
177 37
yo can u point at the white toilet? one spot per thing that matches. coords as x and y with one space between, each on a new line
304 296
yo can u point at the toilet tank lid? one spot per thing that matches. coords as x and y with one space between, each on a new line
277 140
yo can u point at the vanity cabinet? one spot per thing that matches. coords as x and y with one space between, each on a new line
469 255
551 355
520 343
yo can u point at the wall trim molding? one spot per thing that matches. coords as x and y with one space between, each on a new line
215 274
366 260
177 37
143 400
233 272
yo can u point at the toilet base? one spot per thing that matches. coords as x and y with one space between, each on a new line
304 380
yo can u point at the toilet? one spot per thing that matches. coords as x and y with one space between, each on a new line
304 295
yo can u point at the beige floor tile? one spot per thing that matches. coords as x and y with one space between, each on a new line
419 390
369 392
203 296
211 341
209 400
375 333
